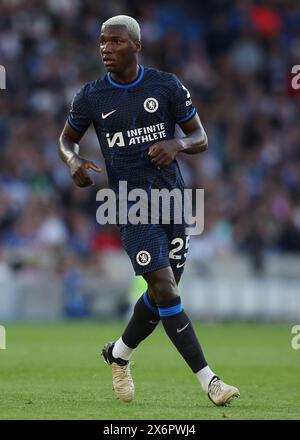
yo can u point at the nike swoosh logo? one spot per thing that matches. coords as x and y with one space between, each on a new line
105 115
178 265
181 330
153 322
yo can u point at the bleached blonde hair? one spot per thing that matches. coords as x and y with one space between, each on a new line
131 24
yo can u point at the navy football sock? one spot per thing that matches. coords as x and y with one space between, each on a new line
142 323
180 330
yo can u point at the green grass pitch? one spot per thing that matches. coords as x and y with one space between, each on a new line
55 372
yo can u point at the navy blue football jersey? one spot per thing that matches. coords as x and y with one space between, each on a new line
128 119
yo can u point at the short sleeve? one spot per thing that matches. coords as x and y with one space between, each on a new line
182 107
79 117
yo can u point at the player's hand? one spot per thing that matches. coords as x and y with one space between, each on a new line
163 153
78 168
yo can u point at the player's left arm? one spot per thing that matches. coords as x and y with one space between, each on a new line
185 115
195 140
163 153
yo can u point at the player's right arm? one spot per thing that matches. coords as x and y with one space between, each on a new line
75 127
68 152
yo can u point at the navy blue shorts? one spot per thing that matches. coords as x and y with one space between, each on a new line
152 247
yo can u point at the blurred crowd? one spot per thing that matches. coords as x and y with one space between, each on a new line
235 57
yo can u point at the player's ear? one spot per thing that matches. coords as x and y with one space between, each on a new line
138 45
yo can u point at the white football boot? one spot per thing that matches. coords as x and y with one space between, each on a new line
123 385
220 393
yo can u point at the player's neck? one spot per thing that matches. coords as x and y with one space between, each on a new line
128 75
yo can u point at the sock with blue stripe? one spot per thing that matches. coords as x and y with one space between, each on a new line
142 323
180 330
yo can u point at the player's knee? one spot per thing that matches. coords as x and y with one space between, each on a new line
164 290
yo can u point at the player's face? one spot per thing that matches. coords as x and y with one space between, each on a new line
117 49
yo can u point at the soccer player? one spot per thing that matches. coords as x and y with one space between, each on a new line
134 110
